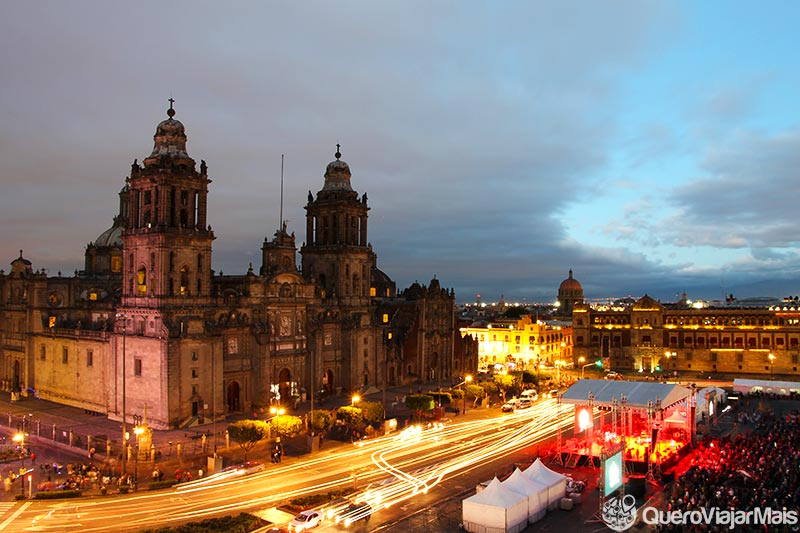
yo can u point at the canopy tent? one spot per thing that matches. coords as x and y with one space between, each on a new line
637 393
534 490
784 388
495 509
676 418
556 483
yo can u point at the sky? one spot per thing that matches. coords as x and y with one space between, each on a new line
651 147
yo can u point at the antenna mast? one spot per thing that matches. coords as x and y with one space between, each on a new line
280 222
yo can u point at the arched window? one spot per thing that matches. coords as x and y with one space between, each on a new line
141 281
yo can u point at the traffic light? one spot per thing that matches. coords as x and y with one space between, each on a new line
599 363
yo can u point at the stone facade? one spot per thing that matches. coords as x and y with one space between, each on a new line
648 335
149 316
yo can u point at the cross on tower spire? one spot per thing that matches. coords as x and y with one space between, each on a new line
171 112
337 154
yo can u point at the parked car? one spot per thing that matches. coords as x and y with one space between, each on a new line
305 520
242 469
353 513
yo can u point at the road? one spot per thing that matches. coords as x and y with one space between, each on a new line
395 475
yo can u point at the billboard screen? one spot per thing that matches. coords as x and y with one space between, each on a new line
612 473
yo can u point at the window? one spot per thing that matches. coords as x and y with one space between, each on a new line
385 318
65 355
194 390
194 373
141 281
372 291
43 353
89 358
116 264
137 367
194 356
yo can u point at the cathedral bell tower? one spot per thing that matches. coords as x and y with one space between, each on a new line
336 255
167 242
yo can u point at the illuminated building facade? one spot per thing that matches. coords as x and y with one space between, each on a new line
522 344
149 316
648 335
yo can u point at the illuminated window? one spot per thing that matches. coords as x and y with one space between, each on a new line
184 287
385 318
51 322
116 264
373 291
93 296
141 281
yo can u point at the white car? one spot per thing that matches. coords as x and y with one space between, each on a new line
241 469
305 521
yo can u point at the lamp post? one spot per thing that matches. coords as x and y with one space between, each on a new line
138 430
124 318
354 400
274 412
20 438
467 379
771 363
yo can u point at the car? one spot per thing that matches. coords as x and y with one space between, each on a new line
524 403
613 375
531 394
242 469
305 520
353 513
553 393
507 407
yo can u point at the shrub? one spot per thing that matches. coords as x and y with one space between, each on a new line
55 494
156 485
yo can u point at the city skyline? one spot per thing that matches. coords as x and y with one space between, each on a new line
650 147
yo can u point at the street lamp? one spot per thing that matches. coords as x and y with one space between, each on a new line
354 400
20 438
274 412
771 363
467 379
138 430
124 318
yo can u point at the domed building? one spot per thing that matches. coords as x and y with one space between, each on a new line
149 316
570 292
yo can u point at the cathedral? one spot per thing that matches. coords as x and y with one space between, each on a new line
147 328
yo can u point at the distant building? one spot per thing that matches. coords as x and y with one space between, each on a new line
521 344
647 335
149 326
570 293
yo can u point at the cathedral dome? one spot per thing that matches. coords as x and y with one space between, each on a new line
570 285
337 174
110 237
169 140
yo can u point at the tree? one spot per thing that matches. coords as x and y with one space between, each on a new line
489 388
247 433
351 416
504 383
287 425
419 403
476 392
321 421
373 412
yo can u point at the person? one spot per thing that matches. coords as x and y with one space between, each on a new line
200 473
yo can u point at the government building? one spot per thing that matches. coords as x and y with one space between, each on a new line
648 336
147 328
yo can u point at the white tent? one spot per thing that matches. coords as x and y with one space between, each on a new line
536 492
556 483
495 509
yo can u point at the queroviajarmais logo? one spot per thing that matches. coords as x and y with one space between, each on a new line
619 513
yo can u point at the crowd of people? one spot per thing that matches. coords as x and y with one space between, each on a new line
756 468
